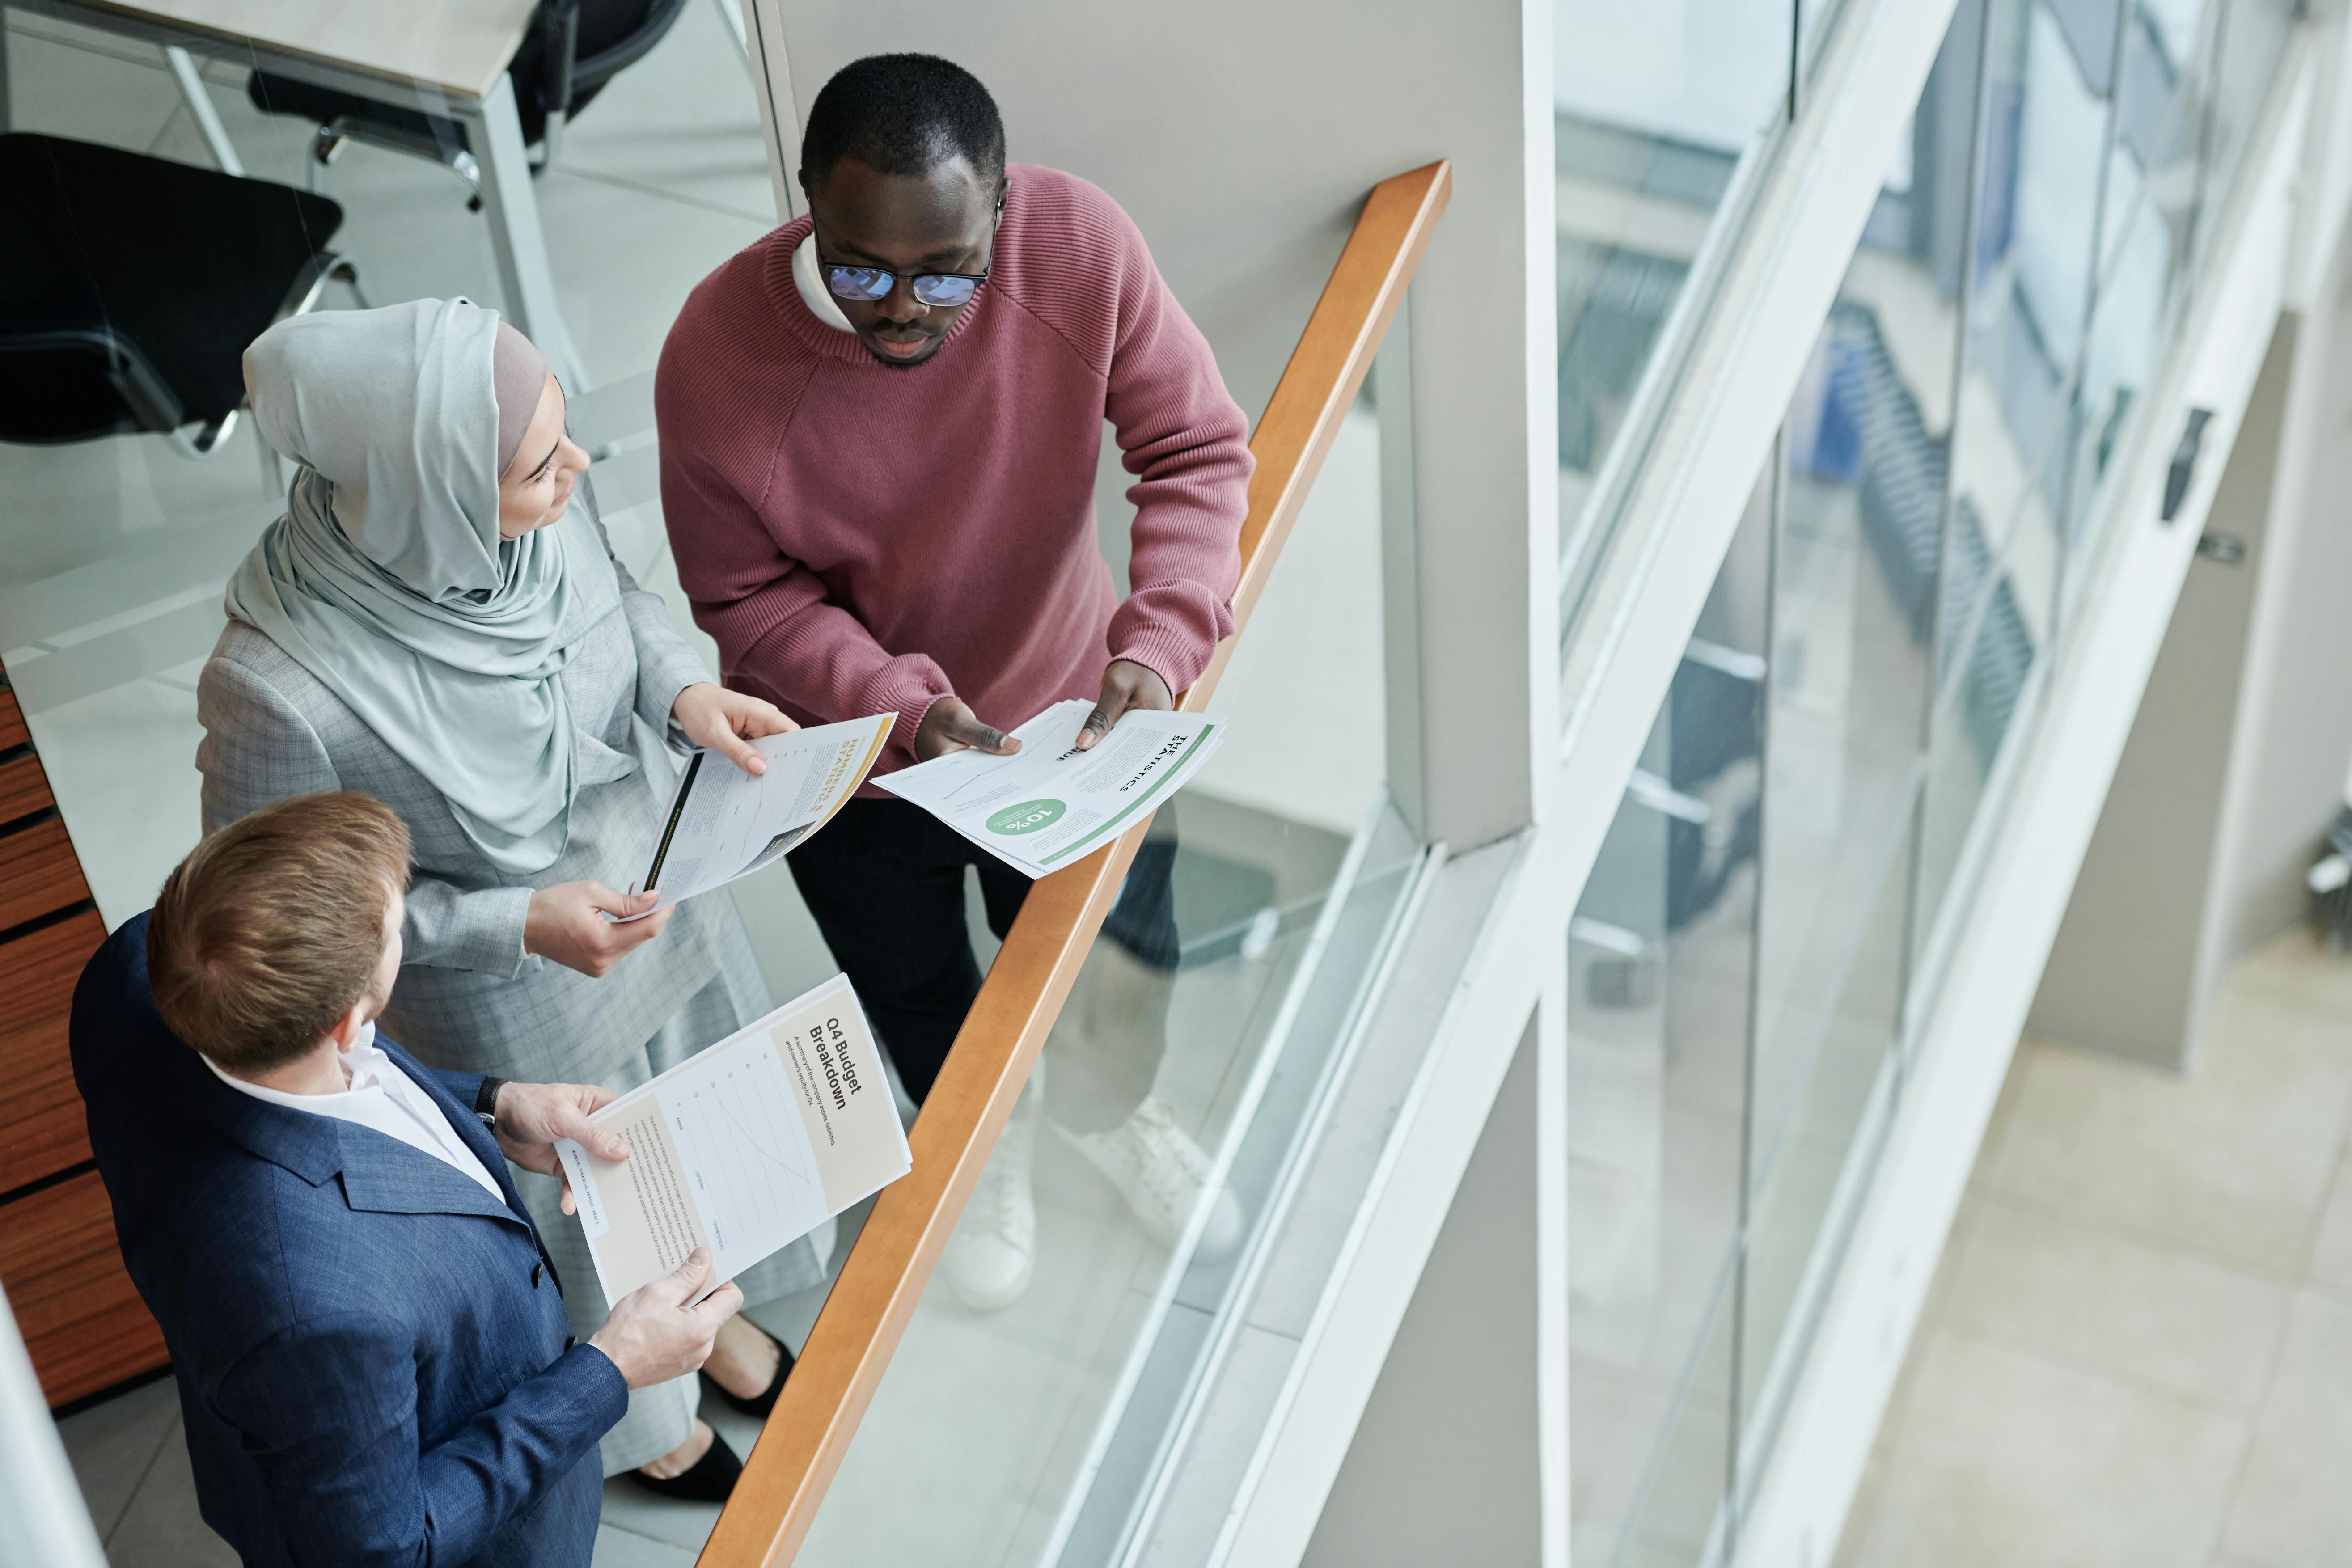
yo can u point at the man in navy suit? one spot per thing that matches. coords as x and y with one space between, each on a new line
374 1362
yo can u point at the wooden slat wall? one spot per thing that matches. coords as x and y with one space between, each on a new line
82 1322
41 1127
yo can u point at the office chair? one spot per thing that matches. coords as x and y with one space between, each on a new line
129 287
574 48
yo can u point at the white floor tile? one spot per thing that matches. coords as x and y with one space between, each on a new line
2102 1302
162 1526
2293 1507
681 1526
2331 1247
131 821
2298 968
112 1445
96 88
2234 1160
2008 1459
618 1548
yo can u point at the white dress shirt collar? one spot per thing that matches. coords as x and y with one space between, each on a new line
380 1095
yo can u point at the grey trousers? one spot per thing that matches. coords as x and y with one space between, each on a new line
661 1417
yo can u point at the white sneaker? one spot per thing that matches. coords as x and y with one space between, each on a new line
989 1258
1164 1177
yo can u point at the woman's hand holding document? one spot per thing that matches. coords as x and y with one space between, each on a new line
744 1147
1048 803
724 823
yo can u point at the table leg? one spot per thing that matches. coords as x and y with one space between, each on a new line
200 108
496 132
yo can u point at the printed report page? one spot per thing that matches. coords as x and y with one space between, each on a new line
724 823
744 1147
1049 803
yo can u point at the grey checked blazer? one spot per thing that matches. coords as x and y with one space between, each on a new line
468 997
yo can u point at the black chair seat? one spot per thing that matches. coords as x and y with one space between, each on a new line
130 286
614 34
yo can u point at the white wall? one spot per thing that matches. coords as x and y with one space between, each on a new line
1303 692
1241 136
1443 1465
2132 969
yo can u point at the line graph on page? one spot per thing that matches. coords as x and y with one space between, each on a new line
749 1162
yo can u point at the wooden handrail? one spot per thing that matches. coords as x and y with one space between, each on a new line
808 1433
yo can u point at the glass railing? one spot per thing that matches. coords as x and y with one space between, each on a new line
1754 937
944 1415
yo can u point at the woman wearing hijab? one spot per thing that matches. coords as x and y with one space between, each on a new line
434 623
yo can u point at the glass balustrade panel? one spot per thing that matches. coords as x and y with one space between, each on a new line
1029 1406
1659 973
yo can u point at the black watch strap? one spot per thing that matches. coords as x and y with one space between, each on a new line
486 1100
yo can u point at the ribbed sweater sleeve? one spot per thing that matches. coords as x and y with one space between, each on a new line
778 634
1185 439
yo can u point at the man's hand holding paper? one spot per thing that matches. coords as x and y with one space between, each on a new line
743 1148
1056 798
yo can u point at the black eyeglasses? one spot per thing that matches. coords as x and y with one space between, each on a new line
946 289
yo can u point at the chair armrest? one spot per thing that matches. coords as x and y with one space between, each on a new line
559 27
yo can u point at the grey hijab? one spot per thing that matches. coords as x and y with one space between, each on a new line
387 578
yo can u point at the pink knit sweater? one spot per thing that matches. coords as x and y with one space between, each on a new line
861 537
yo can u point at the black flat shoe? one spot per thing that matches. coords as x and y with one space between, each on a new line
759 1403
712 1478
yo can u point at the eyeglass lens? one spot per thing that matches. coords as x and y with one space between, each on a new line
941 288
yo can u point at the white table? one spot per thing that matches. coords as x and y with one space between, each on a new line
446 56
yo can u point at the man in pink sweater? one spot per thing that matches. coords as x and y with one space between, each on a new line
880 428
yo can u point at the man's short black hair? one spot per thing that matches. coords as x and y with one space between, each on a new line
903 114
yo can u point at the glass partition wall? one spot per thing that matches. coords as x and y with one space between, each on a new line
1663 114
1755 931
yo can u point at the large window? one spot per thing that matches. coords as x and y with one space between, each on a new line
1664 113
1759 925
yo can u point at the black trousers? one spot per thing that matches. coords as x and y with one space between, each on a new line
885 881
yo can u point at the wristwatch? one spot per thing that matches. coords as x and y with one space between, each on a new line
486 1102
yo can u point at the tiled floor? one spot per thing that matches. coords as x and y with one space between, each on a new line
2138 1351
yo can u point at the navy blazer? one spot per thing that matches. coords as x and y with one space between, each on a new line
373 1361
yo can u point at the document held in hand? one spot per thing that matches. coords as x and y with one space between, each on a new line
744 1147
724 823
1049 803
